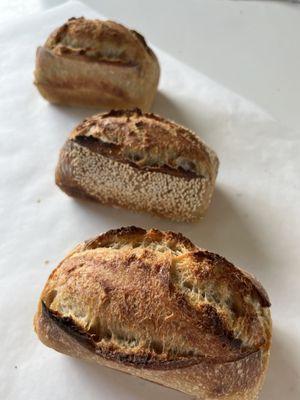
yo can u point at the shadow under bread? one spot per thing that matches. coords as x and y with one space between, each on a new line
226 228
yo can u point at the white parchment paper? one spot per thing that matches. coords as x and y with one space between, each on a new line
253 219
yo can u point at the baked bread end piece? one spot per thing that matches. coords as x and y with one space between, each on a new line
94 63
139 161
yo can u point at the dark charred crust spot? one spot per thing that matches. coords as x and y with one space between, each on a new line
75 18
60 32
156 117
140 124
211 322
95 145
143 41
105 238
147 361
215 323
260 290
123 113
231 348
213 258
82 139
246 282
65 50
69 326
70 270
128 230
110 150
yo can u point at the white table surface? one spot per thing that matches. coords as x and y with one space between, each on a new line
251 47
249 217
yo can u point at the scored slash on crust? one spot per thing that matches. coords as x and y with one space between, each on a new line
198 285
153 304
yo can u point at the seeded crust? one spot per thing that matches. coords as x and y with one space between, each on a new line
97 63
154 305
139 161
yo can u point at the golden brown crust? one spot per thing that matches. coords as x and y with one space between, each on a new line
142 301
147 141
97 63
95 40
139 161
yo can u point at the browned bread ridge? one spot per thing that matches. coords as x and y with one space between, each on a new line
156 306
97 63
139 161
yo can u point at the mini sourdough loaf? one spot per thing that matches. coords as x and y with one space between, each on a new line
154 305
139 161
97 63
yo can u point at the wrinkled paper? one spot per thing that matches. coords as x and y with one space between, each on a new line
253 220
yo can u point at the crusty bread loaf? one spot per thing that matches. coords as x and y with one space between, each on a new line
139 161
154 305
97 63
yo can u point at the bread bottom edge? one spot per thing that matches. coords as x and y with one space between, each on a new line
79 97
239 380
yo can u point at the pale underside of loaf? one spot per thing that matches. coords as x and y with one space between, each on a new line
154 305
78 83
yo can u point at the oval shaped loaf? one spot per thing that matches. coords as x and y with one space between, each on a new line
139 161
97 63
153 304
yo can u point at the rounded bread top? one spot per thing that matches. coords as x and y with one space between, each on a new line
155 299
100 41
